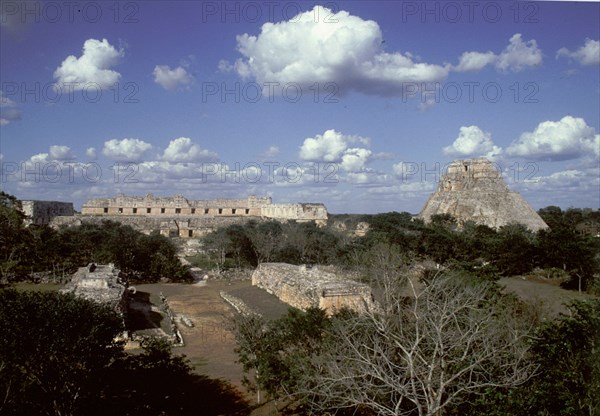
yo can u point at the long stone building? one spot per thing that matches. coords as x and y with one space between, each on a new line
178 216
473 190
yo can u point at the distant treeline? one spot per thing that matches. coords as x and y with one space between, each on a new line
565 249
568 249
26 251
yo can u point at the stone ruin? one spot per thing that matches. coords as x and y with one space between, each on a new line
179 217
304 287
360 230
100 283
473 190
43 212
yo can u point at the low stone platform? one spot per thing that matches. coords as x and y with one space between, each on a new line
304 287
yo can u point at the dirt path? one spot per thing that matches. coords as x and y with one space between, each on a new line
209 344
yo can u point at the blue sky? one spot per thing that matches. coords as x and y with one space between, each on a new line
356 104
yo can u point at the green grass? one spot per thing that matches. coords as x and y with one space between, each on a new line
549 296
42 287
260 301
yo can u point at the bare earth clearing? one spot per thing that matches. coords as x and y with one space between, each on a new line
210 343
550 297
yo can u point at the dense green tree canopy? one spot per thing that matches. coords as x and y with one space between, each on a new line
24 250
509 250
53 350
59 356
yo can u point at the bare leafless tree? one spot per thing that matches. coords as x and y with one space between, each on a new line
425 352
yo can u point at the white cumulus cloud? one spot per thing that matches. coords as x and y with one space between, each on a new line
333 146
272 151
354 159
126 150
517 56
184 150
9 115
7 111
343 49
568 138
93 66
588 54
91 153
170 79
61 153
472 141
475 61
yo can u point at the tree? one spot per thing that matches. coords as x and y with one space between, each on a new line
54 348
155 256
266 238
58 356
399 228
251 342
307 243
568 354
563 248
513 250
13 236
567 383
423 354
386 268
241 246
141 257
279 352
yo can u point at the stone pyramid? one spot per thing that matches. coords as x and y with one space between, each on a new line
473 190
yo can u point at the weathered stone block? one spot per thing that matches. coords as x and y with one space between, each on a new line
305 287
42 212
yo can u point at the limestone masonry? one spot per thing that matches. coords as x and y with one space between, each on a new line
99 283
178 216
42 212
304 287
473 190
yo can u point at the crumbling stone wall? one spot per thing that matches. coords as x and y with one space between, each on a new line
473 190
42 212
305 287
181 226
179 217
302 212
100 283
